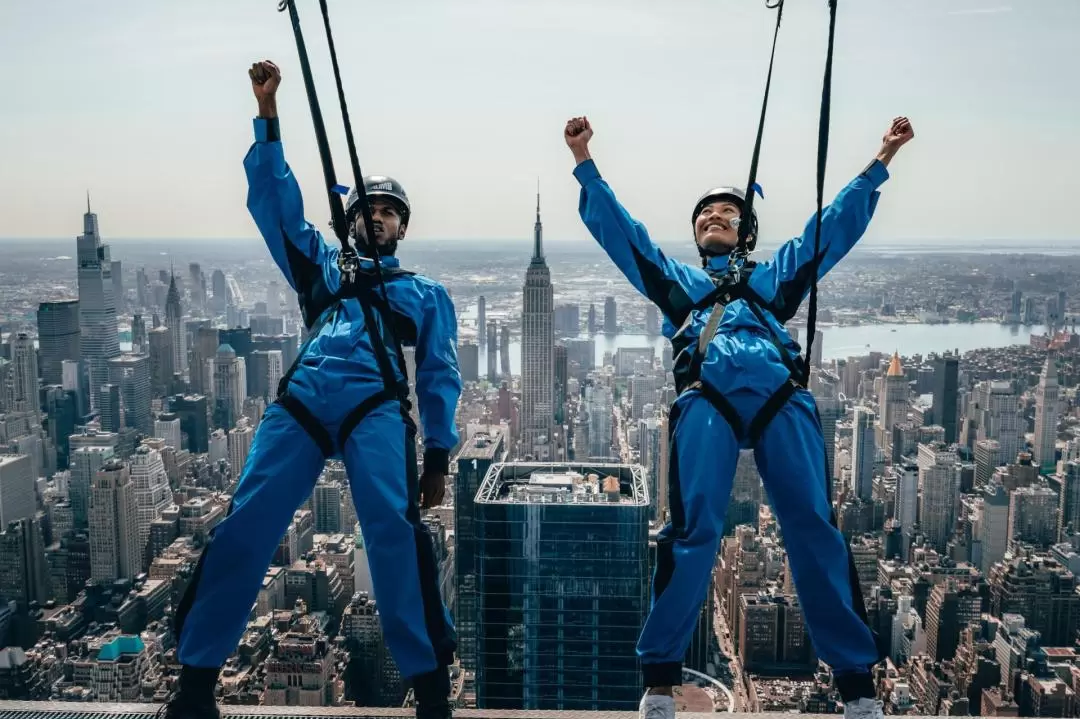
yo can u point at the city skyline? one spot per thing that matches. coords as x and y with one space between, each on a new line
955 472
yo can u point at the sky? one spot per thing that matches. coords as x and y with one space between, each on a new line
148 106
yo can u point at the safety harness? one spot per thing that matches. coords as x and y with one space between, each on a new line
732 286
365 284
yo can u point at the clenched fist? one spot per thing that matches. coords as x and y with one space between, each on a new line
577 134
265 79
899 134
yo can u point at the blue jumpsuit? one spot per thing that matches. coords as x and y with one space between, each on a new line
336 373
744 365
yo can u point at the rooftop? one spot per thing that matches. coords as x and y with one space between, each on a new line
482 445
572 483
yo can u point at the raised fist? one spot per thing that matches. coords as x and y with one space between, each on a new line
898 134
577 134
265 78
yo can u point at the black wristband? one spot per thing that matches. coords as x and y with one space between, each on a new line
273 129
436 459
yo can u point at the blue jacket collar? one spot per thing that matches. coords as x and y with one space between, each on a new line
719 264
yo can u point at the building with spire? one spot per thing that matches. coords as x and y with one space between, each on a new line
894 401
99 334
1046 418
174 320
538 354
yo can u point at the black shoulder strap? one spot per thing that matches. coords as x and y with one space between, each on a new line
822 158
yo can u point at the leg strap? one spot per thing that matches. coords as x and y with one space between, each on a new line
362 410
760 421
768 410
307 420
723 406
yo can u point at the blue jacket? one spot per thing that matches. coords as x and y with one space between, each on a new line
340 359
741 356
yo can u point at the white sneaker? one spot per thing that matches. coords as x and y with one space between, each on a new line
656 706
864 709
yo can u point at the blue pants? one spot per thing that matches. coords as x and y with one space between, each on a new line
280 472
790 457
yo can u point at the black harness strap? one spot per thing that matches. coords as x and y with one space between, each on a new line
746 220
362 410
822 157
308 421
722 405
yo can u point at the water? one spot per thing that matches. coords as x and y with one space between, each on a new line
842 342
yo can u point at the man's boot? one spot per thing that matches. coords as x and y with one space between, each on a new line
432 692
194 697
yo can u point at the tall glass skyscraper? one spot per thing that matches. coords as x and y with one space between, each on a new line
100 339
562 585
478 453
58 337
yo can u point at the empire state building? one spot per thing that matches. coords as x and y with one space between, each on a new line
538 354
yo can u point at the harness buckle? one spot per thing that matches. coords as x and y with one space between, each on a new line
349 264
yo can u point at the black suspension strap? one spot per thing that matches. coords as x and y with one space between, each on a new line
337 209
745 221
361 191
348 261
822 157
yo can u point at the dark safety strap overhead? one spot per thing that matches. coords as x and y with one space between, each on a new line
348 261
822 157
745 222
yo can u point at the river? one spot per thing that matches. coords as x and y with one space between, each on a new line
841 342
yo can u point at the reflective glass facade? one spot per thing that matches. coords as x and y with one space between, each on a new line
562 586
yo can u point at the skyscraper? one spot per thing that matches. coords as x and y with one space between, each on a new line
492 351
204 348
58 337
131 373
830 410
230 387
174 315
21 385
946 376
1046 418
17 497
863 451
469 359
161 360
477 454
99 335
562 584
611 322
894 401
114 527
151 494
538 353
939 493
481 320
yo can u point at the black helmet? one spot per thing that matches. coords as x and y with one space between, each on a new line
380 186
727 193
